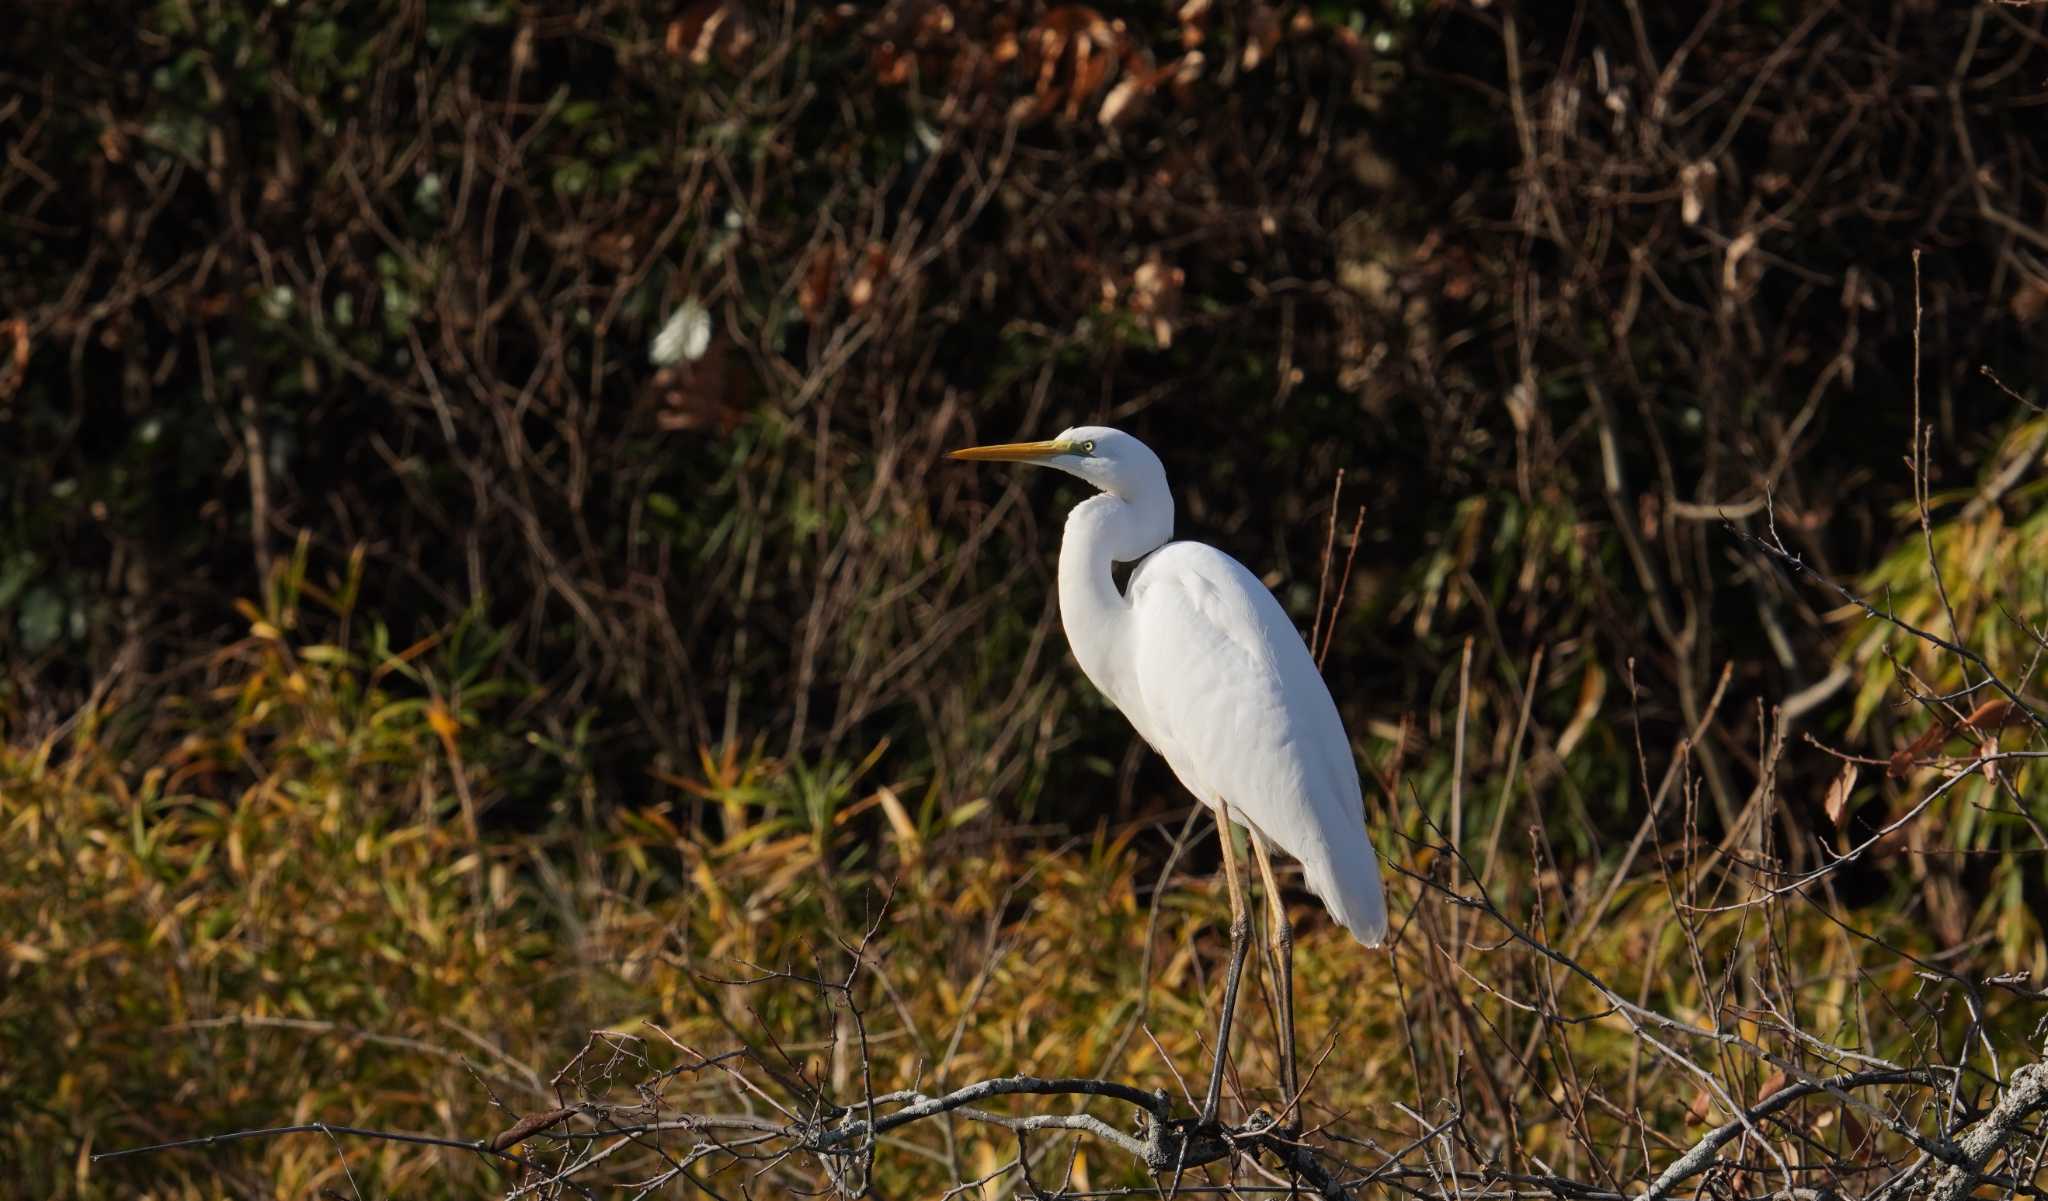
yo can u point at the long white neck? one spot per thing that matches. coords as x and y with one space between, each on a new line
1104 530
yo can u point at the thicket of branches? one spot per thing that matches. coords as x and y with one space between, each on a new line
1731 1046
1559 288
555 394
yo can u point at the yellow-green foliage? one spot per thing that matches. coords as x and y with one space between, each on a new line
288 916
288 919
1994 566
1989 541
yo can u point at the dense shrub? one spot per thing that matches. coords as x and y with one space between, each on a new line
499 446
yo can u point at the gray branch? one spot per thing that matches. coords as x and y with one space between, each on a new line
2025 1093
923 1107
1168 1145
1702 1153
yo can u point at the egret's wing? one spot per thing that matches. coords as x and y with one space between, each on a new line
1231 698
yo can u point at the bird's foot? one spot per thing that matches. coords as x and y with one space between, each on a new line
1177 1144
1267 1126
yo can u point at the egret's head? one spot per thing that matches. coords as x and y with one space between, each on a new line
1110 459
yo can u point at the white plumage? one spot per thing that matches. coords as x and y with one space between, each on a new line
1235 704
1202 659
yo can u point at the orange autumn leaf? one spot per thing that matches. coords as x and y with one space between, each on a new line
1837 800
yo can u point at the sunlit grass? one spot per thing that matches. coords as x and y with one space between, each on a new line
1977 576
296 909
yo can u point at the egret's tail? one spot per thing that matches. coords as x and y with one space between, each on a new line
1353 896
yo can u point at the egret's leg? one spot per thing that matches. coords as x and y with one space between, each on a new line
1240 942
1282 945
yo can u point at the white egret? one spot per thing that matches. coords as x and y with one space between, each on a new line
1204 662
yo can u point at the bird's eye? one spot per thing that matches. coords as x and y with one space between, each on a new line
1088 447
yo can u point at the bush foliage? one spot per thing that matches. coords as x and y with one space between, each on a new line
476 555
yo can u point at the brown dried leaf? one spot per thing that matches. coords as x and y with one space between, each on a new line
1592 688
1073 51
1079 20
1118 104
934 23
1155 295
1990 715
1837 800
704 394
738 38
815 291
1262 36
1693 181
1089 68
899 821
1156 286
14 330
1731 265
1854 1134
614 248
2030 301
1701 1109
861 288
533 1123
891 66
1521 402
709 27
1902 760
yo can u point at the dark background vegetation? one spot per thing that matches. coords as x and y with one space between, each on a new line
330 325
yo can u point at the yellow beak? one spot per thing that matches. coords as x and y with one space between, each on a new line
1011 452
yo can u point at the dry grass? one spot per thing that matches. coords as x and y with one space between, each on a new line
287 919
